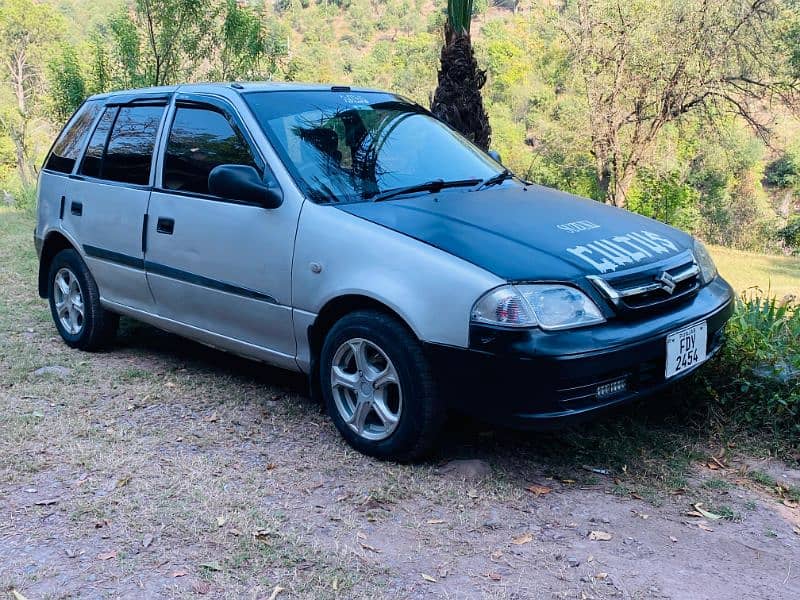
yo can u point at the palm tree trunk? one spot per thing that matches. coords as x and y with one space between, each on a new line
457 100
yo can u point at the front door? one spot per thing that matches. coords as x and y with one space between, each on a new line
106 200
219 266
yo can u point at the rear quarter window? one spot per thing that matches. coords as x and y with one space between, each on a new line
70 142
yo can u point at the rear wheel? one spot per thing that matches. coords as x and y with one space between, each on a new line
75 304
378 387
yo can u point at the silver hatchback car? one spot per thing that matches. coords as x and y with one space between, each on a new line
349 235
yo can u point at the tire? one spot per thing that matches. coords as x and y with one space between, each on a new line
95 327
402 387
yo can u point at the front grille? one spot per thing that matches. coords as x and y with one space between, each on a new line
651 287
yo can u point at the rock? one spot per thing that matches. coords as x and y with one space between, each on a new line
56 370
781 372
573 562
469 469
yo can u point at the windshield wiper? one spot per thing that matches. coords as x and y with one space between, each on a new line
496 179
428 186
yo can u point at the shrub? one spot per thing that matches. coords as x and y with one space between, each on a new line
758 377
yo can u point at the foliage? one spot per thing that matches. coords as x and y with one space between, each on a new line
757 382
641 65
67 85
708 169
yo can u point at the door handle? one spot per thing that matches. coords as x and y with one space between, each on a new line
164 225
76 208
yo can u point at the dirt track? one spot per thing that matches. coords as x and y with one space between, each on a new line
165 469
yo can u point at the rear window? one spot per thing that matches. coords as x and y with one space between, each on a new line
69 144
124 156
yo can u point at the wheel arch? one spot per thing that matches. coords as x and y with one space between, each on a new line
54 242
333 310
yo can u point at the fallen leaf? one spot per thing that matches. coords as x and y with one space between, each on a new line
435 521
212 418
370 548
712 465
428 578
101 523
704 527
221 521
277 590
600 536
211 566
497 554
636 496
539 490
47 502
796 530
601 576
261 535
472 493
17 595
568 481
790 503
107 555
201 587
123 481
494 576
708 515
148 541
335 584
271 466
525 538
179 573
641 515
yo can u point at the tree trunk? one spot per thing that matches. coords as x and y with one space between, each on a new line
457 100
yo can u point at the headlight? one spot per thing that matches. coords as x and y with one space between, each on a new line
550 306
708 270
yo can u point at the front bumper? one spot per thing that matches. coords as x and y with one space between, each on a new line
535 378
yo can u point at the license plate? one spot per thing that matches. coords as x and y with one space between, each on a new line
686 349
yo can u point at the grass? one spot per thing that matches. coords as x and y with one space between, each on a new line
778 274
163 439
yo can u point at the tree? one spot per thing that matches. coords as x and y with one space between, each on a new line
159 42
27 31
457 100
641 65
67 86
252 45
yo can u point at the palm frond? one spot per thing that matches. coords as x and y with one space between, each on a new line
459 15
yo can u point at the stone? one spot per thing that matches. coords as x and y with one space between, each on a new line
56 370
469 469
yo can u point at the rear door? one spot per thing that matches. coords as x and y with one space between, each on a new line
218 265
107 199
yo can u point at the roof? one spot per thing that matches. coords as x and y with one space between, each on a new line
228 87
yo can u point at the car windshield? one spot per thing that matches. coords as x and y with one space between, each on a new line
353 146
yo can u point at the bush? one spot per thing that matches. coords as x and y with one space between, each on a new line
758 377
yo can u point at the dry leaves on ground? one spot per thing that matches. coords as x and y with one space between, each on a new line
600 536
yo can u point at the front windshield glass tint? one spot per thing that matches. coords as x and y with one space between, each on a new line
349 147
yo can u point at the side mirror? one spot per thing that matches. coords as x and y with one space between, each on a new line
496 156
243 183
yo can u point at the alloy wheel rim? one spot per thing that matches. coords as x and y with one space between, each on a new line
69 303
366 389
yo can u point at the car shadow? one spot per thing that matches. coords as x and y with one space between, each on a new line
657 426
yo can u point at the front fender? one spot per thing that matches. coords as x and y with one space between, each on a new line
338 254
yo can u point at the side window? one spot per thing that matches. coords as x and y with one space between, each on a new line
200 140
69 144
130 148
93 158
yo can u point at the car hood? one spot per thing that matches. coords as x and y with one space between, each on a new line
531 233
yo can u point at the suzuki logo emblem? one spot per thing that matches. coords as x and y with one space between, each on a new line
667 282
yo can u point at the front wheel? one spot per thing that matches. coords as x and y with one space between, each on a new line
378 387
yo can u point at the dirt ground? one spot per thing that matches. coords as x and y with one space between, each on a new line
163 469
